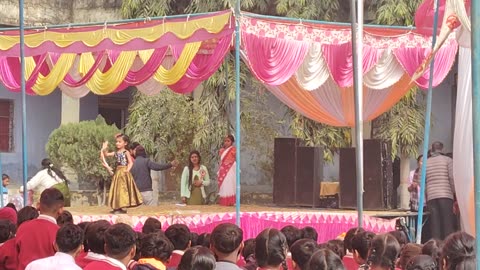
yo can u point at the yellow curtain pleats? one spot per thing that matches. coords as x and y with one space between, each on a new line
181 29
47 84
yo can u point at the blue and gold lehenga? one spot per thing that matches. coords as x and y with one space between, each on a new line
123 190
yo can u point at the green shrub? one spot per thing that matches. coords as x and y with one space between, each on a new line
77 146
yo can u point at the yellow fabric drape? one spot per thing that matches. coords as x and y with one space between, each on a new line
104 83
29 67
46 84
183 30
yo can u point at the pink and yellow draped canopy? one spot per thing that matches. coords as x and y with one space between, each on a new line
306 66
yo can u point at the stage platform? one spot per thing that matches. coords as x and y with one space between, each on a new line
328 222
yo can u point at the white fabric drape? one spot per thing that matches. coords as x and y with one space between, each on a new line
313 72
385 73
463 143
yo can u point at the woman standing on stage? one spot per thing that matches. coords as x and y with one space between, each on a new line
194 178
227 173
123 191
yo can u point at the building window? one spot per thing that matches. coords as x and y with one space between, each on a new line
6 125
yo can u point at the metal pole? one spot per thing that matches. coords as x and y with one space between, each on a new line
426 137
237 109
24 100
1 184
357 53
475 11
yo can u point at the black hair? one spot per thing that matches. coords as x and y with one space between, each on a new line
151 225
337 246
126 139
310 233
51 200
155 245
325 259
7 230
433 248
421 262
140 151
190 166
400 236
138 244
25 214
361 243
458 251
292 234
347 240
270 248
384 251
69 237
11 205
197 258
193 239
47 164
179 235
95 235
5 176
408 252
226 238
64 218
83 225
302 250
134 146
204 240
230 136
119 240
248 248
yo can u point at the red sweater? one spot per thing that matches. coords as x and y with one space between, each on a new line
35 240
175 259
8 255
104 265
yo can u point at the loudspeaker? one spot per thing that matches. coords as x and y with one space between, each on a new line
309 175
378 176
284 176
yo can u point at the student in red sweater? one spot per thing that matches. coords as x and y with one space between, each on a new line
120 240
8 253
35 239
95 243
179 235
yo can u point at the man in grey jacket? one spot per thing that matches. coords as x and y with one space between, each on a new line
141 173
440 192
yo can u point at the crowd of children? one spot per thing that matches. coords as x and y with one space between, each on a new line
47 239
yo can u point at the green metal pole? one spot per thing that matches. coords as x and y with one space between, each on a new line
475 11
428 116
24 100
237 110
357 47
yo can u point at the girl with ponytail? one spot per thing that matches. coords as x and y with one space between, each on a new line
383 253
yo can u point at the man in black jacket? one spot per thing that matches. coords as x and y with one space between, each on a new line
141 173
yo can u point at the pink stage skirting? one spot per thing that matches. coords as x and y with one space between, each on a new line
328 225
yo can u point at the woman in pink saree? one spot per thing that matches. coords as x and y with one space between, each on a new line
227 173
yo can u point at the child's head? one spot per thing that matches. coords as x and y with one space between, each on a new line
458 252
301 251
408 251
83 225
51 202
179 235
325 259
64 218
347 241
138 245
383 252
270 248
204 240
292 234
155 245
7 230
226 239
120 240
25 214
5 180
337 246
9 214
95 234
122 141
421 262
400 236
151 225
193 239
433 248
310 233
248 251
360 244
69 239
197 258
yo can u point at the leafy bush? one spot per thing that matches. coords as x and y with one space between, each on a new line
77 146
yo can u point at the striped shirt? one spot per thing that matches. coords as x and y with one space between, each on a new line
439 178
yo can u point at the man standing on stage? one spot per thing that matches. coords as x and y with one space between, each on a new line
440 192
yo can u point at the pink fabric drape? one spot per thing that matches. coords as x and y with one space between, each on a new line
202 67
10 73
412 58
425 14
68 80
340 61
273 60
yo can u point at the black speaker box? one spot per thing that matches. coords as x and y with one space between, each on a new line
378 176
